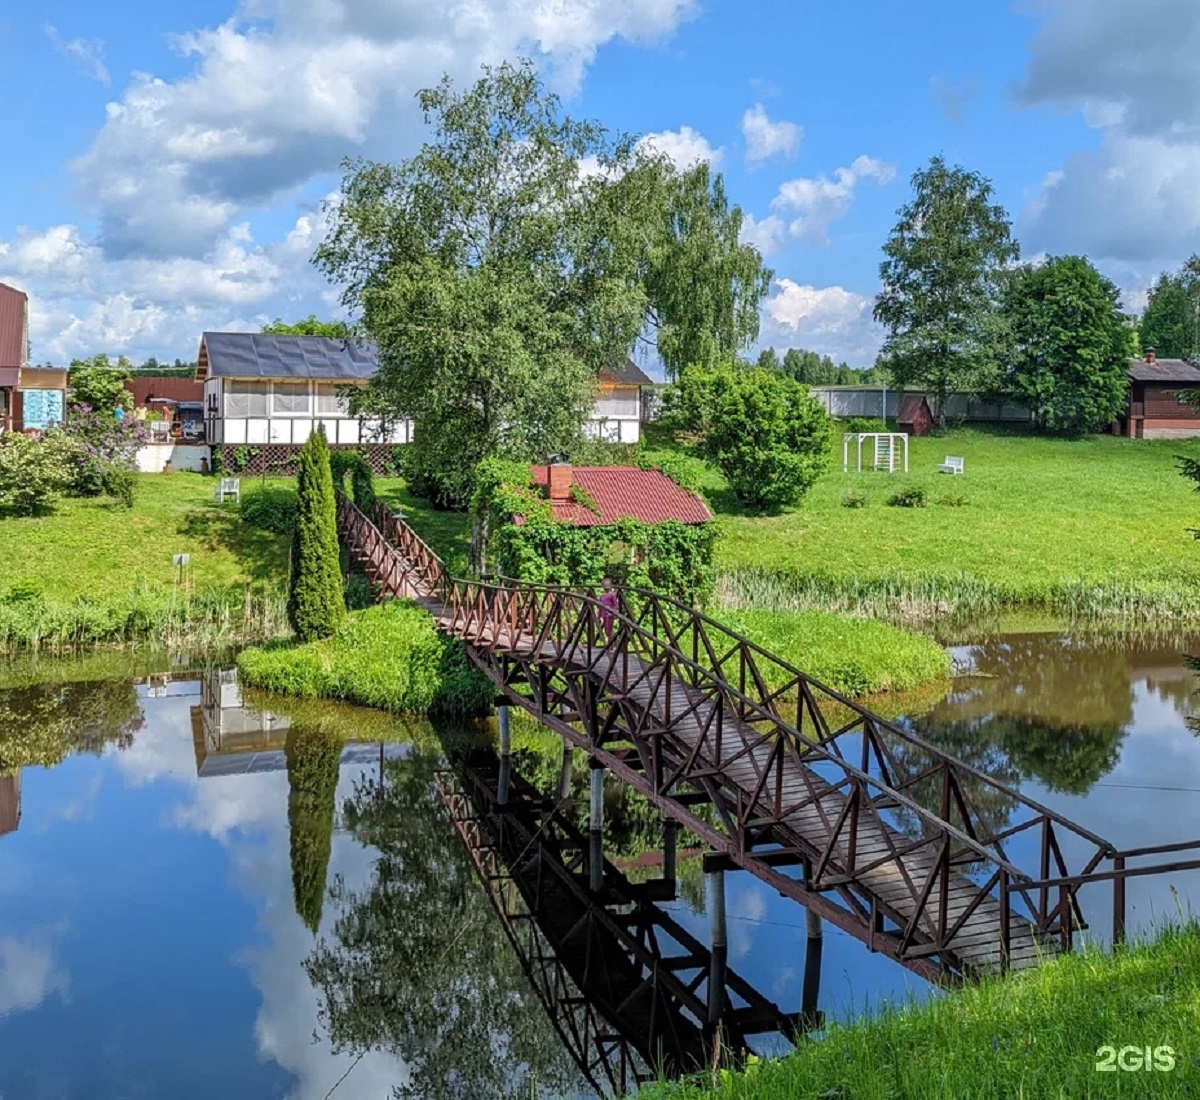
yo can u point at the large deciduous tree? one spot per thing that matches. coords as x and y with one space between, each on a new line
1070 344
512 258
1171 323
944 265
316 606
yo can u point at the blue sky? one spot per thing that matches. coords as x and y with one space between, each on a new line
166 164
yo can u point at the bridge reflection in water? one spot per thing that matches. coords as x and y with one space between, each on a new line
632 994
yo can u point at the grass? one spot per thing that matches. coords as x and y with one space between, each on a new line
1034 1035
93 572
389 656
1095 527
854 656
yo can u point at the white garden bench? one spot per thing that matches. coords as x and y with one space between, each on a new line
951 466
229 487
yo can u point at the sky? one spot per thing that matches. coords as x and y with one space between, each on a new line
167 164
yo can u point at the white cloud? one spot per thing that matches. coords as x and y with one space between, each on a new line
87 54
1128 69
804 209
765 139
684 147
267 107
830 320
28 975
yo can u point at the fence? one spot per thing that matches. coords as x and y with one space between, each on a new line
868 401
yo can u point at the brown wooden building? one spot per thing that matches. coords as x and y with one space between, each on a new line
1157 408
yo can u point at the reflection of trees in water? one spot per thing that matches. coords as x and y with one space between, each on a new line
418 964
313 756
45 723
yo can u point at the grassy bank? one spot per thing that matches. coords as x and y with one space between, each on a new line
93 572
389 656
1034 1035
1087 529
854 656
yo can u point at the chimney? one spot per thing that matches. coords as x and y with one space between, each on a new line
559 480
1150 355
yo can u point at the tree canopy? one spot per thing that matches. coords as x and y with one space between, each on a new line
1171 323
517 253
942 273
310 326
99 383
1070 344
815 369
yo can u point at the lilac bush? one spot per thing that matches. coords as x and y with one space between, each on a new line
105 452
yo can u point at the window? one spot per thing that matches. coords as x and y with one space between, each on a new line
329 402
291 399
246 398
614 402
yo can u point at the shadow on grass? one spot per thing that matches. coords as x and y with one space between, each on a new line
262 555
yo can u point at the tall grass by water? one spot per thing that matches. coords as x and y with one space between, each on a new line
1037 1034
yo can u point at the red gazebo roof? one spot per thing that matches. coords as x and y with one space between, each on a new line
623 492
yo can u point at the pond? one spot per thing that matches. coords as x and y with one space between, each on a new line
208 895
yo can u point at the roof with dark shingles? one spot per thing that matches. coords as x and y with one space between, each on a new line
1163 370
278 355
625 492
14 313
628 375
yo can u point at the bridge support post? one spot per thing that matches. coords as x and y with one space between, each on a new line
670 839
564 773
811 992
715 888
503 720
595 828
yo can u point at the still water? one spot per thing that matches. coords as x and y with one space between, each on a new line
208 895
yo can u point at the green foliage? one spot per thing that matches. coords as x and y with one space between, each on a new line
584 499
820 370
270 508
911 496
1171 323
674 558
851 499
854 656
703 285
362 480
942 273
310 326
1033 1034
313 758
239 459
34 473
860 424
315 603
99 384
950 500
763 431
1070 344
390 656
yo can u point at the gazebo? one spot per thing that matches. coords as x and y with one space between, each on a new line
883 446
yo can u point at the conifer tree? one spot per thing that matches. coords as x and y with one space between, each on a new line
316 607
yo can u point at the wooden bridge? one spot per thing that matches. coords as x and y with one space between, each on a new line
915 853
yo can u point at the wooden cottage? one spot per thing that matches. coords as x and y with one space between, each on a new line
915 416
1156 406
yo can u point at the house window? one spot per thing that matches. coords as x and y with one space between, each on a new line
621 402
291 399
246 398
329 401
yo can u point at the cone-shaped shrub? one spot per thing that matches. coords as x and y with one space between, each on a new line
316 607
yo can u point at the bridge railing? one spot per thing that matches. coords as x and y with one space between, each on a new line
752 706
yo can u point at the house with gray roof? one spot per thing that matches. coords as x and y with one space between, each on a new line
1158 405
265 393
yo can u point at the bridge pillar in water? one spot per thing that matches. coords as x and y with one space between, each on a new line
503 720
670 840
811 992
596 827
714 882
564 773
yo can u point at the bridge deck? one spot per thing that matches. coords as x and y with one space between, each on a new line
976 943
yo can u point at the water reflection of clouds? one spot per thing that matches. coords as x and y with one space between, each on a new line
29 973
247 815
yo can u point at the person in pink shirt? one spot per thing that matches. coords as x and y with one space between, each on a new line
608 605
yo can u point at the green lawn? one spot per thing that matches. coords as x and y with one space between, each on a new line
1045 522
98 550
1035 1035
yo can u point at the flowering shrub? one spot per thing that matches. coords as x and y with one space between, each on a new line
105 458
33 472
